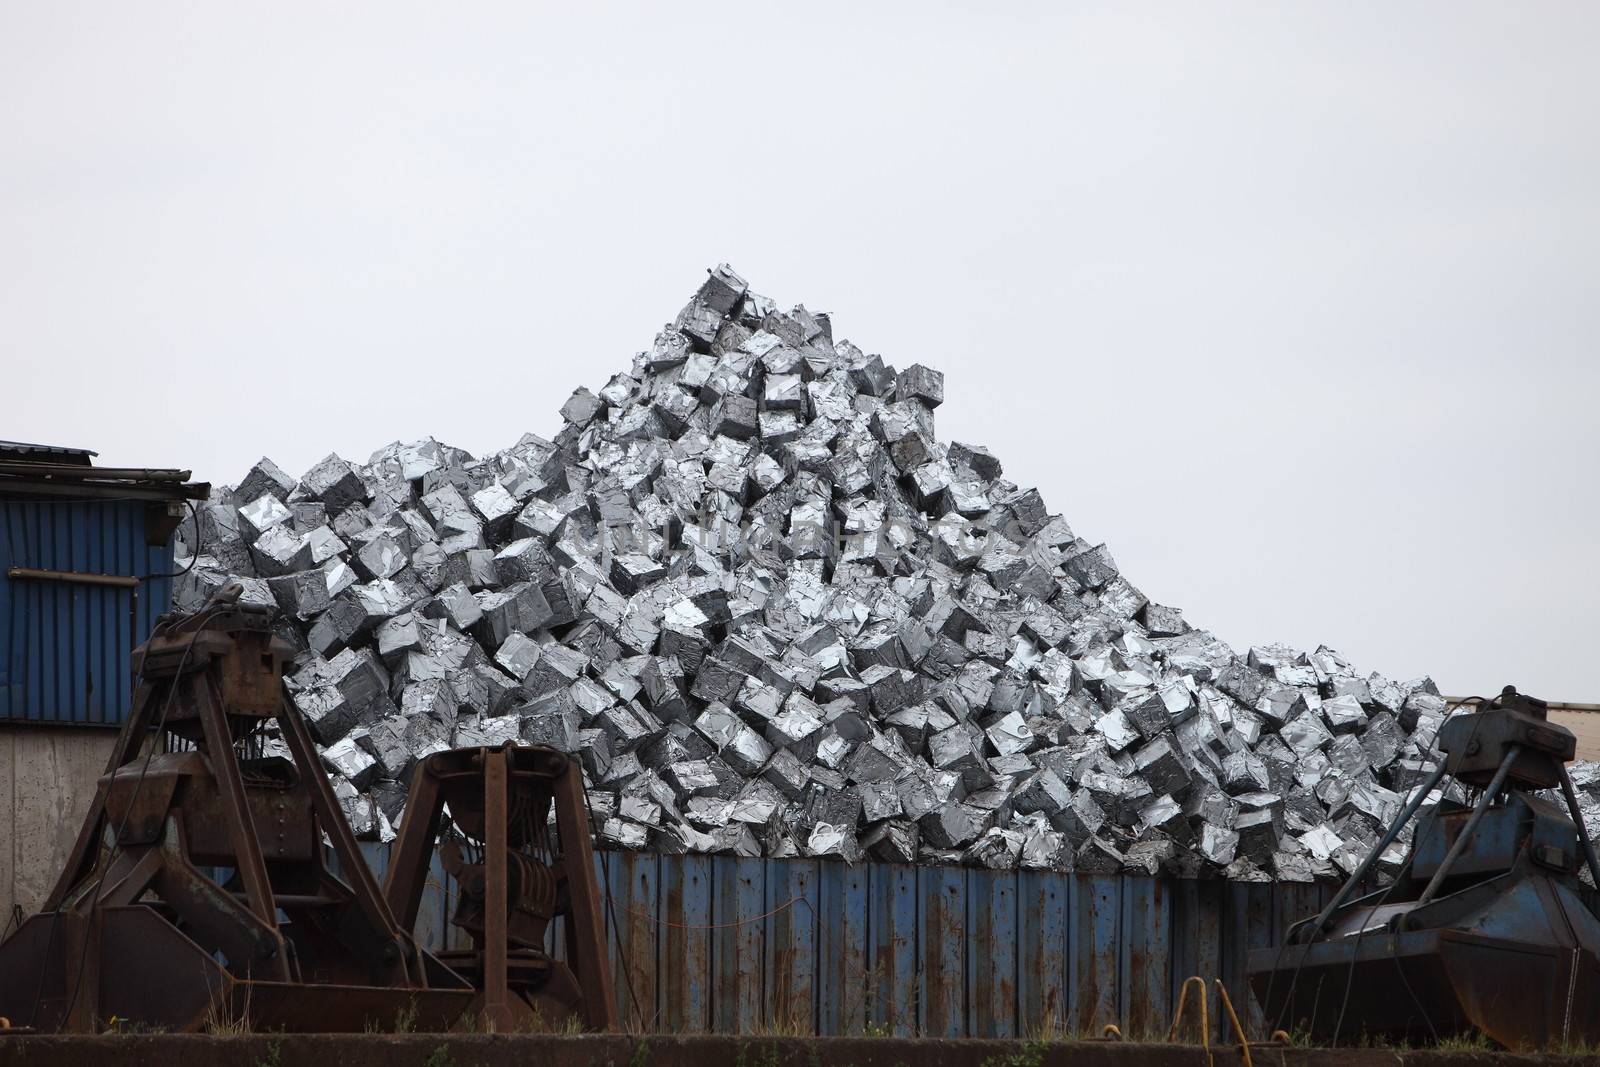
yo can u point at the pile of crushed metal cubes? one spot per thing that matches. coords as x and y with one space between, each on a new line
775 616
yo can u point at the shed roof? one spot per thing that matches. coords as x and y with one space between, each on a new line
23 450
58 470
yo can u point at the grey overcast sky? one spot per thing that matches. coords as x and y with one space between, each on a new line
1292 305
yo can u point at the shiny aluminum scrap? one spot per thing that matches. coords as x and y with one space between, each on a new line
746 574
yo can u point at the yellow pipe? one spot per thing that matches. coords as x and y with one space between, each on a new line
1205 1014
1244 1042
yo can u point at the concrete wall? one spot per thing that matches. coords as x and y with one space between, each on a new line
1585 724
47 780
608 1050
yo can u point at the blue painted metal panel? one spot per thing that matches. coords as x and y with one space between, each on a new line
686 943
738 895
1096 982
65 650
843 949
1233 937
6 695
377 856
942 945
712 943
1043 944
791 965
991 995
1146 964
1197 949
892 927
438 904
633 920
1261 931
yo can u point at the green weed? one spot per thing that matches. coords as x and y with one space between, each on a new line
273 1056
1029 1054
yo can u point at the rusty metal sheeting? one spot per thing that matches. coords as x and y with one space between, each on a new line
156 938
778 617
730 945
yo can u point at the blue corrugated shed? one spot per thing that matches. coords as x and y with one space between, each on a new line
73 537
65 648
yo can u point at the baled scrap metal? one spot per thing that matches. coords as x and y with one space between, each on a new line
261 515
266 477
334 482
746 571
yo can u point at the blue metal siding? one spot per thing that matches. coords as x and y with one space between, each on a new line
736 945
65 650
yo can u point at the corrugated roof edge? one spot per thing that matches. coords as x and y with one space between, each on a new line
125 483
64 471
79 457
28 446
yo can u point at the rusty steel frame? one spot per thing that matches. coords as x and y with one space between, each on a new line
583 921
214 677
496 991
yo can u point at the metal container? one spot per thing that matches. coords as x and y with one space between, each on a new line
729 945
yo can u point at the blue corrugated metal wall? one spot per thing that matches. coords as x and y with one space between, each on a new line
65 649
730 945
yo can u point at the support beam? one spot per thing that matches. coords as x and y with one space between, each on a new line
1320 923
496 997
1465 836
1577 820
